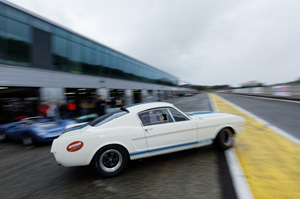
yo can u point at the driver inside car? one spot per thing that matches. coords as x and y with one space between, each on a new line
163 117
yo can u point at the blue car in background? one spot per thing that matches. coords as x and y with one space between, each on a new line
35 130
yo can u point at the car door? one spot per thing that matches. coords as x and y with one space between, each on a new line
165 134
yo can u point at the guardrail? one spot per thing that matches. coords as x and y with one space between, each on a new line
278 91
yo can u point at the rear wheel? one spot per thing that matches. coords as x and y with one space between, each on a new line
110 161
224 139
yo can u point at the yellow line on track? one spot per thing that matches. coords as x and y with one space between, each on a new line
271 163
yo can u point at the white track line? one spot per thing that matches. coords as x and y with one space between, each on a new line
240 182
213 104
238 177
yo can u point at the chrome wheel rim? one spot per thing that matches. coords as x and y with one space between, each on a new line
227 137
111 160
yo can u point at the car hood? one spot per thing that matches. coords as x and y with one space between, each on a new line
5 126
50 127
199 113
208 114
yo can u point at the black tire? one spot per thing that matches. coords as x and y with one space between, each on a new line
110 161
224 139
27 140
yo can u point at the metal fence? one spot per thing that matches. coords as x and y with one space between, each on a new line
279 91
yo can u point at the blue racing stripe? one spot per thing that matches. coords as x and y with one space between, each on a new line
171 147
199 113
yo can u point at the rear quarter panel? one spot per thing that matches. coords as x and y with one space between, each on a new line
126 132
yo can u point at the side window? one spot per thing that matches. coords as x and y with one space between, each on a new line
155 116
145 118
177 116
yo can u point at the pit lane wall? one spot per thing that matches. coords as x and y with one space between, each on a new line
282 91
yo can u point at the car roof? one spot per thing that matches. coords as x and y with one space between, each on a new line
147 105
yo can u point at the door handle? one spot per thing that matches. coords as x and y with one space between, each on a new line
148 129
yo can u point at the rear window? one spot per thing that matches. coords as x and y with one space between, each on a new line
107 117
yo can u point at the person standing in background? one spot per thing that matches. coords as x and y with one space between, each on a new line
100 106
62 110
71 109
52 111
84 108
42 108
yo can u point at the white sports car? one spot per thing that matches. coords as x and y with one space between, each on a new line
139 131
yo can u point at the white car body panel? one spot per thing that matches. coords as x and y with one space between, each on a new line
142 141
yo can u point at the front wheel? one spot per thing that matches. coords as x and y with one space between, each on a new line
27 140
110 161
224 139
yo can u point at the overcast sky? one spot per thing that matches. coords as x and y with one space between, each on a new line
204 42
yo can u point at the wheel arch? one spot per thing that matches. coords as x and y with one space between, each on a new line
31 132
107 145
220 128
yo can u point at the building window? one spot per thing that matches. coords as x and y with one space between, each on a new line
75 58
89 61
18 41
3 39
3 9
60 53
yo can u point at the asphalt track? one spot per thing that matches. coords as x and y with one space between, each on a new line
270 159
198 173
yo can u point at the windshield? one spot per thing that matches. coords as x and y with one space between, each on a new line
108 117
